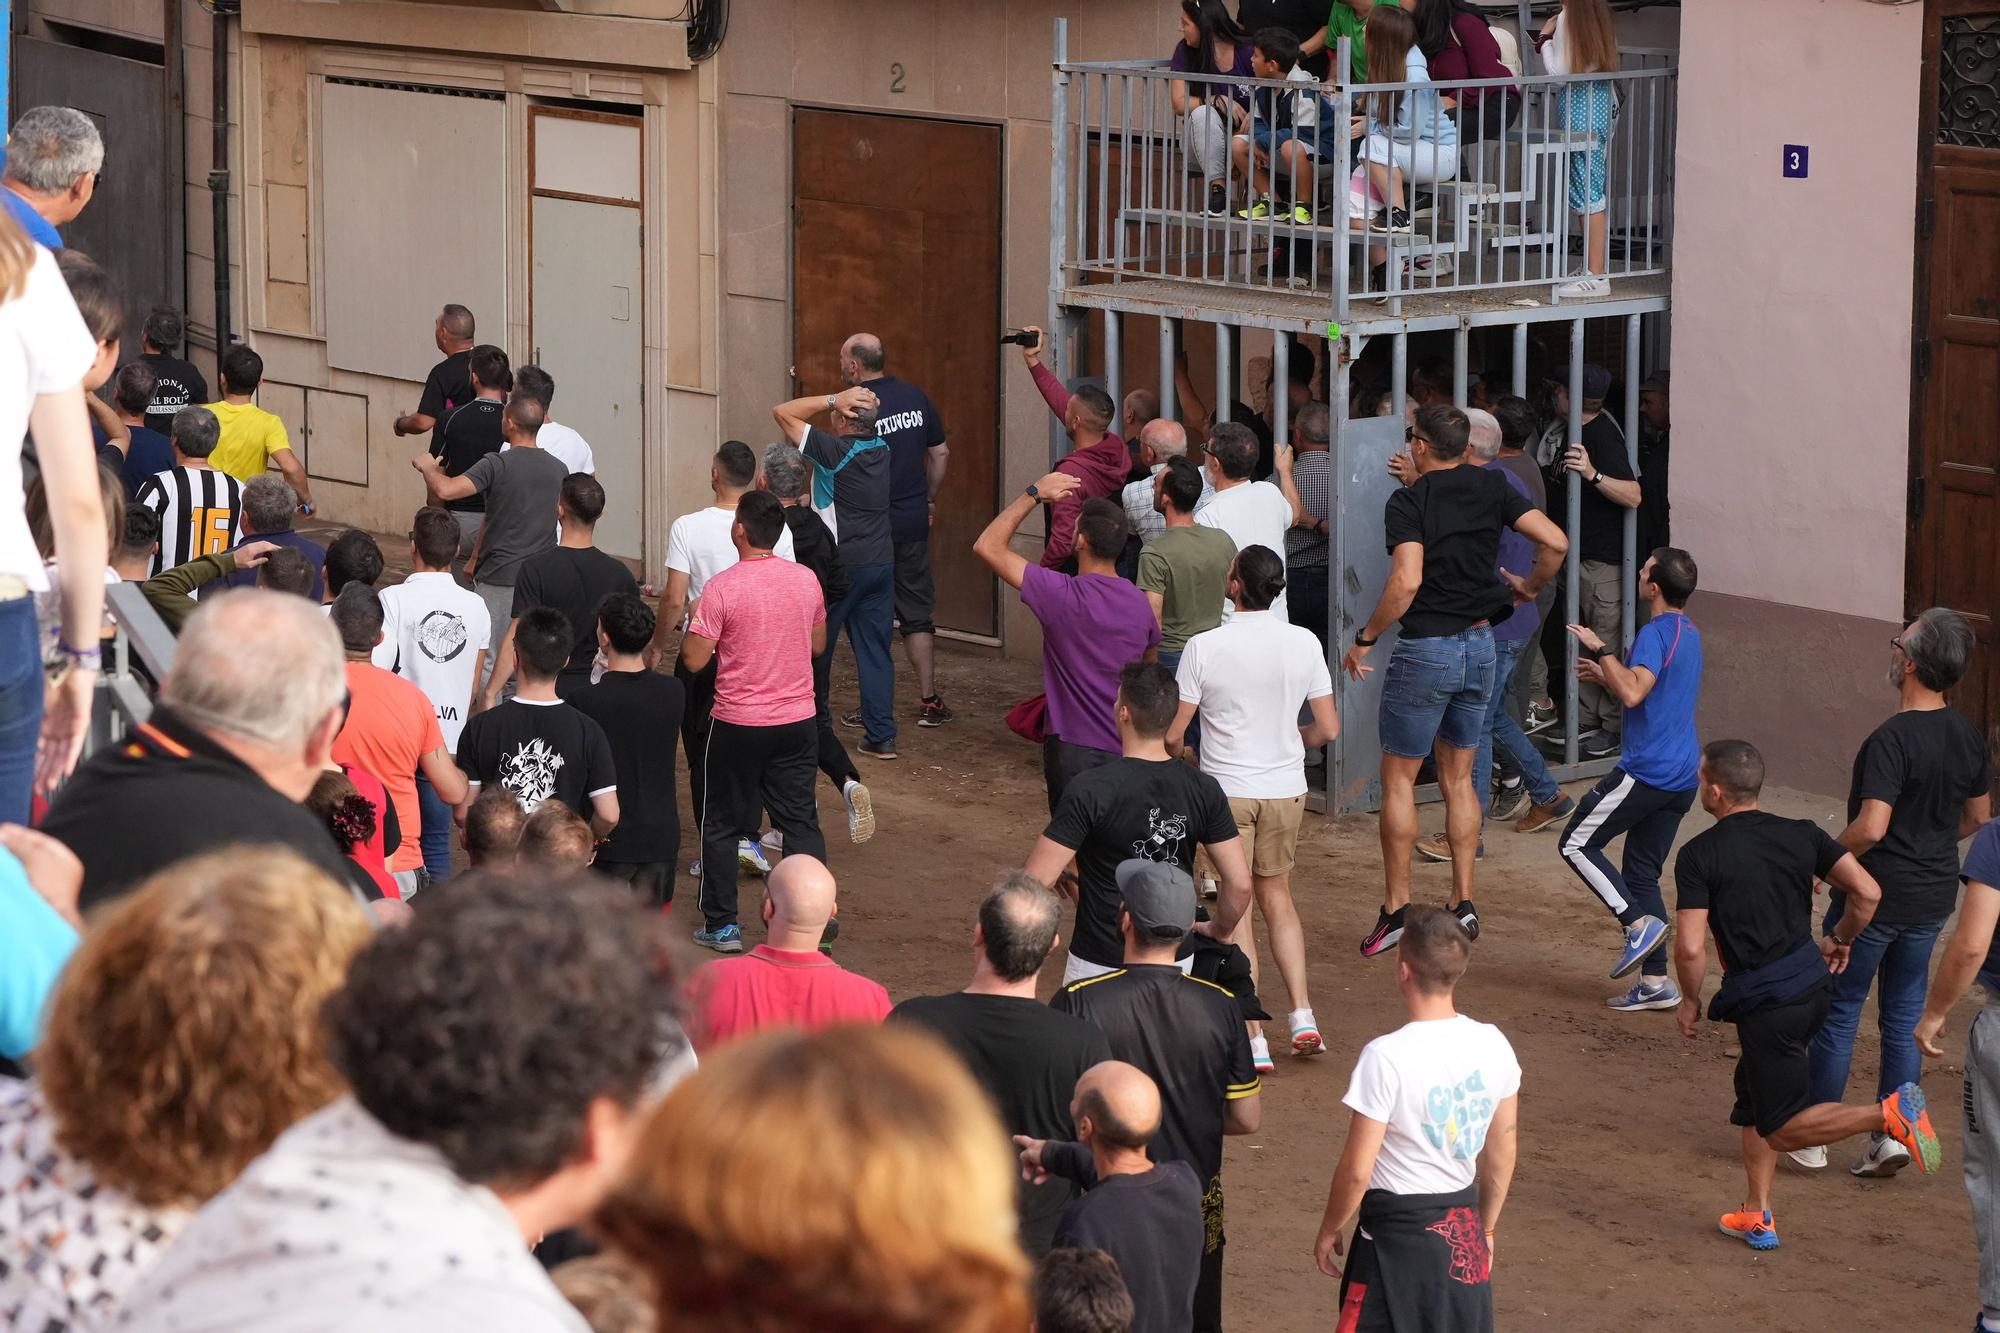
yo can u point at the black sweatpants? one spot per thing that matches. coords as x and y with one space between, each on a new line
1649 818
752 769
700 687
833 757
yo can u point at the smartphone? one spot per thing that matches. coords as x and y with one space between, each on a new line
1021 338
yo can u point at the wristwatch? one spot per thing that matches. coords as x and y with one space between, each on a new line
1835 937
1599 653
1595 477
1032 493
829 407
1361 640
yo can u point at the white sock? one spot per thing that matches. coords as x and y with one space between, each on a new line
849 785
1302 1018
1990 1322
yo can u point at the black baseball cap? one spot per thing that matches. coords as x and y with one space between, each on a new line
1160 897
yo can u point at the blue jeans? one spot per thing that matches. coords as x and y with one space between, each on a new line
435 835
1520 754
1437 690
1902 955
1191 739
869 613
20 706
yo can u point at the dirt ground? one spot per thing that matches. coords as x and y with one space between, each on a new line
1627 1156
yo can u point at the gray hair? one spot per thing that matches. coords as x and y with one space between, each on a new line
261 666
1018 921
1940 644
195 431
786 472
1484 439
51 146
269 503
1314 423
1167 439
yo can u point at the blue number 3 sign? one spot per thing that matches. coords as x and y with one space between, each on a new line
1797 157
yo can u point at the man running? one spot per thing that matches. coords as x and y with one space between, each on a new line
1653 785
1750 880
1430 1152
1443 534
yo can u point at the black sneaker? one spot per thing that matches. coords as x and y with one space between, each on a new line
1218 201
878 749
932 712
852 721
1388 933
1467 918
1598 745
1510 803
1399 220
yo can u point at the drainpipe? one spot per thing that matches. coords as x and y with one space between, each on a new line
218 173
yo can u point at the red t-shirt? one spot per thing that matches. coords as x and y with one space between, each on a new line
777 988
390 726
761 614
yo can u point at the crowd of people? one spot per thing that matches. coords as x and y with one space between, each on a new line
340 992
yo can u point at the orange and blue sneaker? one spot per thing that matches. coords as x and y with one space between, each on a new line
1905 1119
1753 1228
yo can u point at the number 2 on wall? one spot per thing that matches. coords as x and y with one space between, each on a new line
896 76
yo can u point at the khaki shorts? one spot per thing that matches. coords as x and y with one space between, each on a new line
1270 830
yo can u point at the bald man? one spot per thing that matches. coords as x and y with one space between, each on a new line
787 981
1159 441
1147 1216
918 452
450 382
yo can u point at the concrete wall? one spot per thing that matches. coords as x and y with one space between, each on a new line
1792 299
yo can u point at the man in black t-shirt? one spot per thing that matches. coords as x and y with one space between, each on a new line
1750 880
1921 783
1146 1216
1027 1056
1144 804
573 577
537 746
1610 487
918 452
176 383
1443 534
1187 1035
474 429
640 713
854 471
449 384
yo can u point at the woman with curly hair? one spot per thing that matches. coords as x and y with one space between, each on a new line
848 1181
183 1038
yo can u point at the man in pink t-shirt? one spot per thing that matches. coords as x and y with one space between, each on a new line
786 982
761 621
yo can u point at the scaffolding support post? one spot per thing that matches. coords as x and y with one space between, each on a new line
1520 360
1629 576
1223 378
1281 391
1170 396
1573 571
1114 368
1461 364
1058 212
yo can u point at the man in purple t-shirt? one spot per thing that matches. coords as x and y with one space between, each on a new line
1093 624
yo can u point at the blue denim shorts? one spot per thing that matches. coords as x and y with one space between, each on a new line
1437 690
1269 139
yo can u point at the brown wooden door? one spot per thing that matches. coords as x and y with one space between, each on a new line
1955 495
896 232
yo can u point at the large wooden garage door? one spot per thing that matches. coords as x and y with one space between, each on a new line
896 232
1955 528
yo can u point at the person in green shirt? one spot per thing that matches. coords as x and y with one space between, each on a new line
1349 19
1184 569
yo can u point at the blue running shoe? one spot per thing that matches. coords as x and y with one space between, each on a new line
726 939
1641 938
1753 1229
1661 995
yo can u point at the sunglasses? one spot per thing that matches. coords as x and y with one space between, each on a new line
1410 436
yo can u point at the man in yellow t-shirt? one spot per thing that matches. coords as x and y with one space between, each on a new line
253 439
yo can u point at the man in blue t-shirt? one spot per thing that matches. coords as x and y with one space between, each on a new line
54 157
1655 781
1973 951
906 419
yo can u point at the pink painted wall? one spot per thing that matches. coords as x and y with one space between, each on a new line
1792 299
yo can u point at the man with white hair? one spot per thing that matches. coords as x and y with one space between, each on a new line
54 157
1511 638
1160 440
243 729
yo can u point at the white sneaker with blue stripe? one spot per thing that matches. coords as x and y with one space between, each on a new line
1662 994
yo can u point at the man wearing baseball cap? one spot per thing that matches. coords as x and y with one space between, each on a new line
1187 1035
1610 487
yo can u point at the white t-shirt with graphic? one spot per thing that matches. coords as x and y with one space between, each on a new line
1436 1085
432 631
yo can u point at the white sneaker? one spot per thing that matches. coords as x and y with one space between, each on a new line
1590 284
1208 888
860 811
1884 1157
774 842
1305 1033
1810 1159
1260 1054
750 858
694 868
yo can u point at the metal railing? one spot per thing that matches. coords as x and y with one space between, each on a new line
1157 175
136 659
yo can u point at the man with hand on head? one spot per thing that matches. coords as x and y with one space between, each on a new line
787 981
269 507
1147 1217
